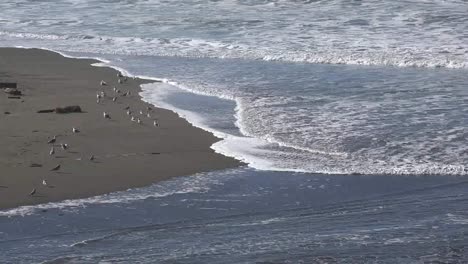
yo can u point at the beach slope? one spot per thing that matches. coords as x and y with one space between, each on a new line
125 154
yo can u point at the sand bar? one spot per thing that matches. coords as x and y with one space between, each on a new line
127 154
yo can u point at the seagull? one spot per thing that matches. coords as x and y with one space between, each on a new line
98 100
114 99
119 74
155 123
103 83
120 81
98 96
126 93
149 108
103 94
64 146
91 158
141 112
148 115
106 115
56 168
133 118
32 192
52 151
52 140
129 112
115 89
75 130
44 183
138 121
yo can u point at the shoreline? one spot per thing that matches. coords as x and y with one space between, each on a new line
126 154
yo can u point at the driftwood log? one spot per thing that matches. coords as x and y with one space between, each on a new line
63 110
68 109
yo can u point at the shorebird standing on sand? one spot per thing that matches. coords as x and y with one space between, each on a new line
32 192
75 130
129 112
119 74
52 140
64 146
120 81
114 99
106 115
52 151
103 83
91 158
155 123
139 121
133 119
56 168
44 183
141 112
148 115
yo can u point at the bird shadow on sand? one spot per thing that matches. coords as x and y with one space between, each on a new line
38 196
62 172
3 187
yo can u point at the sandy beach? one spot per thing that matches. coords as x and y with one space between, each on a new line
126 154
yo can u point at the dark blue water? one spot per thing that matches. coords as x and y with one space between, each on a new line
247 216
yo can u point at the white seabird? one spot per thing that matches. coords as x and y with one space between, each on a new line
119 81
106 115
44 183
115 89
56 168
103 83
129 112
155 123
148 115
64 146
133 118
32 192
138 121
114 99
52 151
141 112
91 158
75 130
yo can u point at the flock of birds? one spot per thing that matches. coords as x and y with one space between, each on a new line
100 97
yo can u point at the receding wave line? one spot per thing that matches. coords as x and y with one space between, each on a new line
200 48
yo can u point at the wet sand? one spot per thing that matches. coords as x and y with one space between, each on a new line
127 154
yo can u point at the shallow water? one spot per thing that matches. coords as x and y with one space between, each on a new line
352 116
247 216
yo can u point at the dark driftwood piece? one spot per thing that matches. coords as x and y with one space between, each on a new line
68 109
63 110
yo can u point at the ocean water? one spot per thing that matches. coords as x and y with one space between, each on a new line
351 115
